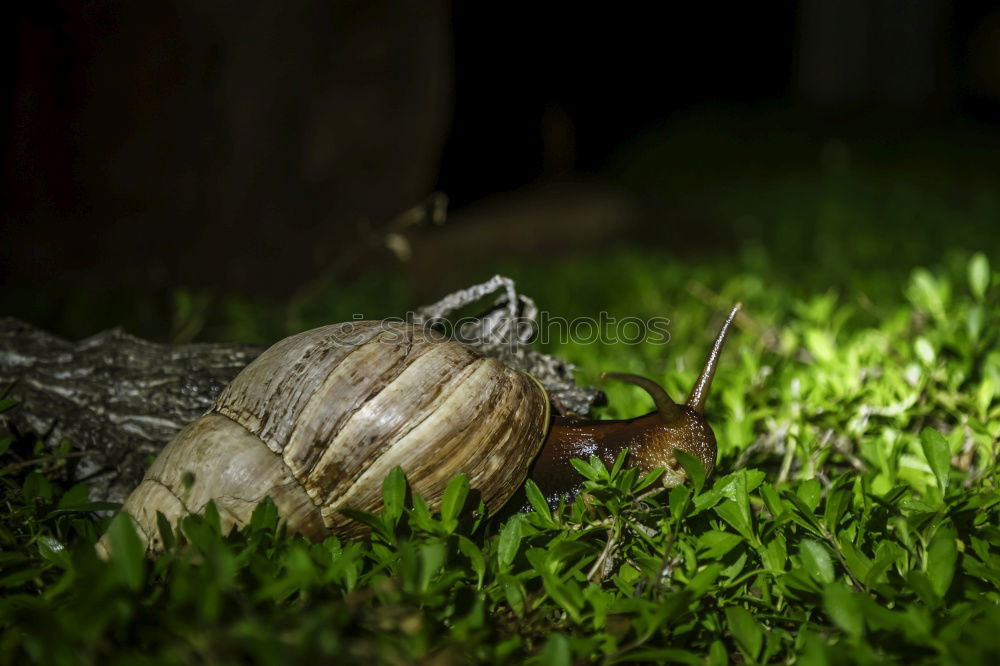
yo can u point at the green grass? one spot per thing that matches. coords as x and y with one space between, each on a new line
852 516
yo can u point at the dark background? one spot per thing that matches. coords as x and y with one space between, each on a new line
254 148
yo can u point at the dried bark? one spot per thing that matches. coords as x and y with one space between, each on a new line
119 399
505 331
113 395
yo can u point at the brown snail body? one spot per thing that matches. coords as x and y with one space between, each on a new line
650 439
318 420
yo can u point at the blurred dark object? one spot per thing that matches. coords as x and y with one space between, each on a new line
545 220
563 86
119 399
256 147
982 71
438 251
857 51
909 57
233 145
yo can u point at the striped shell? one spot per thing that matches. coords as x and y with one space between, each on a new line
318 420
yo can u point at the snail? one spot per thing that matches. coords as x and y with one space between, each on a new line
320 418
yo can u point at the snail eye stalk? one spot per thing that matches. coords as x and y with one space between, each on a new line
699 393
667 408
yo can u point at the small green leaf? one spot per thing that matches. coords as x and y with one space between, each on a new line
619 462
928 294
775 554
938 456
974 322
420 515
212 518
837 500
264 516
454 499
694 468
920 583
555 652
19 578
732 513
514 592
809 492
772 500
746 630
843 607
585 469
566 593
376 524
821 345
816 560
537 501
979 275
128 556
717 543
476 560
166 531
53 551
678 503
393 495
887 554
717 654
925 351
984 397
37 486
857 562
75 496
942 554
648 480
703 580
432 558
597 465
508 542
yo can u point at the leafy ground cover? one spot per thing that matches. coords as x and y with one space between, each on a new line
852 516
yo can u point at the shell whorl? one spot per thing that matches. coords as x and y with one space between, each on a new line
339 406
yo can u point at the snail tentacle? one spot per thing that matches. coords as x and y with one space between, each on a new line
666 407
699 393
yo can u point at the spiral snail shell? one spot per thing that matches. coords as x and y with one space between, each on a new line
320 418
